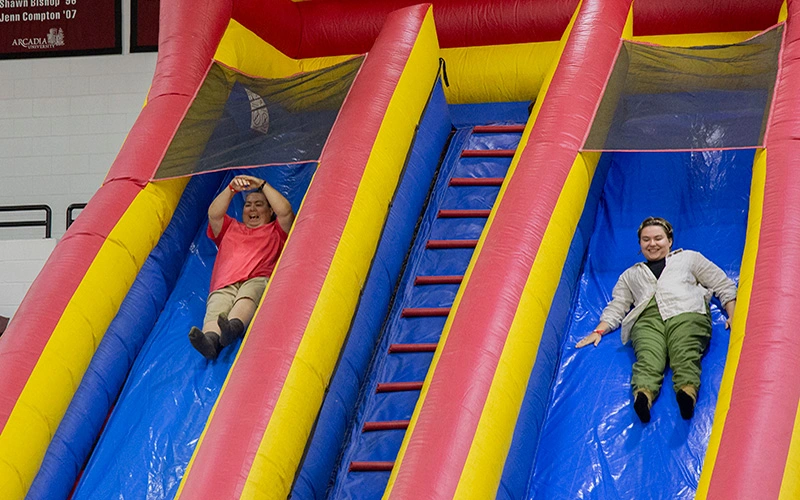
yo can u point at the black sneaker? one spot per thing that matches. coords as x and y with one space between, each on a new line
206 344
685 403
642 407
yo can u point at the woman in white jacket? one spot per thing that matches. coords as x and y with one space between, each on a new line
669 319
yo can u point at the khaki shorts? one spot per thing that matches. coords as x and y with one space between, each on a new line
223 300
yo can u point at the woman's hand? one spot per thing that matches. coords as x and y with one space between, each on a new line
595 335
730 307
593 338
245 183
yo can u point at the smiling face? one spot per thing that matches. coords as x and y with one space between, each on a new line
654 242
257 211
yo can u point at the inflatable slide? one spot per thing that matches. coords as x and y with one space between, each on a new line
468 178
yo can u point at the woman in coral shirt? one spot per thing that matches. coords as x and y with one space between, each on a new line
248 251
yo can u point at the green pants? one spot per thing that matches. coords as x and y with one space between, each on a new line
682 339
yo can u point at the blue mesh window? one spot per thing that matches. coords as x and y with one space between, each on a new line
238 120
683 99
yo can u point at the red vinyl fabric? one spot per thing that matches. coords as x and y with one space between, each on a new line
188 39
277 22
244 408
339 27
178 71
656 17
148 140
49 295
758 430
489 303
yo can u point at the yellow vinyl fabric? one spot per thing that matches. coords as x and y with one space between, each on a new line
498 73
695 39
242 49
491 73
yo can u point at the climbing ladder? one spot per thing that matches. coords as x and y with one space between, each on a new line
467 186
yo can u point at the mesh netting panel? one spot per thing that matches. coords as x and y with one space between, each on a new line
239 121
675 98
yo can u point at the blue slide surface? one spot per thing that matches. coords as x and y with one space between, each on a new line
171 389
591 444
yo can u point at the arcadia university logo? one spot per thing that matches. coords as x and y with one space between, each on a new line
54 38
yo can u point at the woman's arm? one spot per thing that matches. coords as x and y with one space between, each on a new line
712 277
219 207
613 313
729 306
280 205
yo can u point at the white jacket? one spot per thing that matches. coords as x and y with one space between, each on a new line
685 285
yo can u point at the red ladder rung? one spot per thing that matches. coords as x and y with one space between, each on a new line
438 280
453 214
448 244
497 129
388 425
476 181
421 312
401 348
488 153
398 387
371 466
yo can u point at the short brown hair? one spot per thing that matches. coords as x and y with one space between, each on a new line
656 221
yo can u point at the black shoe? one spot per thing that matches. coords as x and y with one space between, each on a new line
206 344
686 404
230 330
642 407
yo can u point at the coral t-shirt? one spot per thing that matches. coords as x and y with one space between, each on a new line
245 252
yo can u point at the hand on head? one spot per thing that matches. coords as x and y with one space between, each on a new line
245 183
